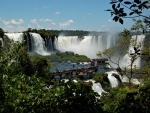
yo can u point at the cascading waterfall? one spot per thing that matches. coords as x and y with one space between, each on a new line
2 44
86 45
113 80
66 43
97 87
108 42
28 42
38 44
49 44
89 45
138 41
15 36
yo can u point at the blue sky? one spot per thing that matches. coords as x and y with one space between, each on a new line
90 15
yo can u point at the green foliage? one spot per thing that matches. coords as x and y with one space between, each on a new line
41 65
75 95
144 97
136 7
127 98
109 52
138 26
46 33
119 100
106 67
1 33
26 86
122 46
68 56
124 42
23 94
28 94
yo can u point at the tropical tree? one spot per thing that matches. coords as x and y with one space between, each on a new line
121 49
1 32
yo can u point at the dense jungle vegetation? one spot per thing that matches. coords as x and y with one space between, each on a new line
26 85
51 33
68 56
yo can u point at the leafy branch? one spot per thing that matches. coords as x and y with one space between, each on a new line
135 7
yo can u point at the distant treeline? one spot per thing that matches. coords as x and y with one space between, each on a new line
52 33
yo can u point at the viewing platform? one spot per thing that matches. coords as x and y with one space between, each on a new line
87 70
98 61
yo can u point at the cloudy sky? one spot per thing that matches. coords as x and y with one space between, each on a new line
19 15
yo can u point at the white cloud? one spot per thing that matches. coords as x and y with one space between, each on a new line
0 19
89 14
35 8
66 24
57 13
17 23
49 29
53 23
109 20
29 26
103 25
10 28
20 28
46 7
6 22
35 22
45 20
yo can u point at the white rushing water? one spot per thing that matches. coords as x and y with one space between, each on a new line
15 36
89 45
138 41
133 80
1 41
97 87
113 80
38 44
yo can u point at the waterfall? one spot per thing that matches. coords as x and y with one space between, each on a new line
85 45
89 45
15 36
56 44
108 41
113 80
97 87
2 44
38 44
49 44
26 38
138 43
100 43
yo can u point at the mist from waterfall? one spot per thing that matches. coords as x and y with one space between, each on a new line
88 45
15 36
138 43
